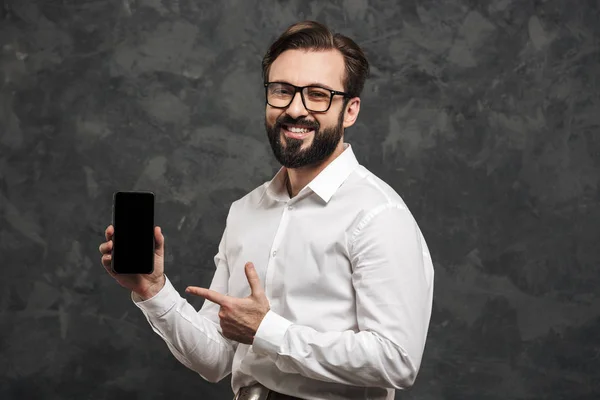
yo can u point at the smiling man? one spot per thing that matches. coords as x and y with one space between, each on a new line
323 283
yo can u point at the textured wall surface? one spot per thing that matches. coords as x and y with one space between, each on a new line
483 115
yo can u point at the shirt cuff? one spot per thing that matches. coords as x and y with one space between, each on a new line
160 303
270 334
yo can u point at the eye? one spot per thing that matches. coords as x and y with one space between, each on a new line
280 90
318 94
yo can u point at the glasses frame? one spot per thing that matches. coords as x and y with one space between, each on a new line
301 89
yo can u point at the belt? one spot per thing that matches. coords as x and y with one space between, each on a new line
260 392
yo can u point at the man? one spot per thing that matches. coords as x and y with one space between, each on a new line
323 283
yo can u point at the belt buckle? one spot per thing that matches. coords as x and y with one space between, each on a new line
252 392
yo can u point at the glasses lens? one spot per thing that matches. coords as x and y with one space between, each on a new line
279 94
316 98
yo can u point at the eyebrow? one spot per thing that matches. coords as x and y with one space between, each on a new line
310 84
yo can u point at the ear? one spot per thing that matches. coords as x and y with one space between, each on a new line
351 112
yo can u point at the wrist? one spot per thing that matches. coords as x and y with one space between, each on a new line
153 289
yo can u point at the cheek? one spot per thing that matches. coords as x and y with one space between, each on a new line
326 121
271 115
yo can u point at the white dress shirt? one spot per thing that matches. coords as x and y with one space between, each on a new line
349 279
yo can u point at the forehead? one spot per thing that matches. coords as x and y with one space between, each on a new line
306 67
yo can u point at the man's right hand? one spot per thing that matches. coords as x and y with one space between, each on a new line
145 285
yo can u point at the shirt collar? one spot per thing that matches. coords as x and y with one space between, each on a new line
276 188
323 185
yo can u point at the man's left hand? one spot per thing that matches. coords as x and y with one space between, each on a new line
240 318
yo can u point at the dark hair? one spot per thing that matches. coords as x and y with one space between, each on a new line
311 35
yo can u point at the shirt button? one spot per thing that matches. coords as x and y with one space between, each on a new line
290 207
274 253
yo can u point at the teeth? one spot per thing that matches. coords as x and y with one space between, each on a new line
298 130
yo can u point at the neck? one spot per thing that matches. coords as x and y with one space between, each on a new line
298 178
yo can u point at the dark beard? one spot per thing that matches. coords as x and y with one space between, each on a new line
323 144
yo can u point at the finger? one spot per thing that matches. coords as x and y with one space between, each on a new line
159 241
106 260
109 232
253 279
106 247
215 297
106 263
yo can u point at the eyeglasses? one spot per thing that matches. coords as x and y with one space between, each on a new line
314 98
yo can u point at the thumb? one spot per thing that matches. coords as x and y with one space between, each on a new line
253 280
159 241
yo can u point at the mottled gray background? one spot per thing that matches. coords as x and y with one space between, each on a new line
483 115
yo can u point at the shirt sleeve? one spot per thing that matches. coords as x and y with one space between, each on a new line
193 337
393 281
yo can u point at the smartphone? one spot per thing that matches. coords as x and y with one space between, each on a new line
133 238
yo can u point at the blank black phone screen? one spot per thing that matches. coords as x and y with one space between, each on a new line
133 239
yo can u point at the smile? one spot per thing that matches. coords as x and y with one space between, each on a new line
296 132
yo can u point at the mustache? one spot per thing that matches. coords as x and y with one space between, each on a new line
306 123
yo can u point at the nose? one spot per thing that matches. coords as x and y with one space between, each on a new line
296 108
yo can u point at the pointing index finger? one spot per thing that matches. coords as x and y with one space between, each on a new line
215 297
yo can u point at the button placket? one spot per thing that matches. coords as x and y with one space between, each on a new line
270 273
